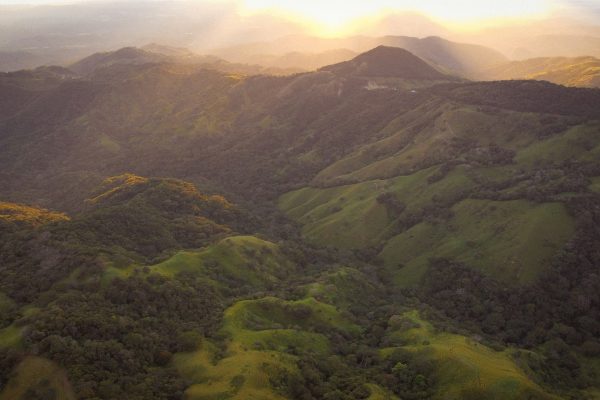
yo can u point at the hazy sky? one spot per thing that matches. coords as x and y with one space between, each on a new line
336 11
336 16
510 26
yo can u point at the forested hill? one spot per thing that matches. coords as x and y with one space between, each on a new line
374 229
175 120
387 62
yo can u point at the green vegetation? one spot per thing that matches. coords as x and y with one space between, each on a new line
595 185
377 393
343 287
10 337
38 378
245 260
510 240
347 217
441 132
514 167
241 375
174 211
264 336
258 322
18 214
465 368
354 216
427 236
6 304
234 264
581 143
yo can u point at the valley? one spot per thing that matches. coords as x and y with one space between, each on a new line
380 228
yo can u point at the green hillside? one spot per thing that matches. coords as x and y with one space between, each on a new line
352 216
465 368
476 186
441 133
373 230
236 261
509 240
264 337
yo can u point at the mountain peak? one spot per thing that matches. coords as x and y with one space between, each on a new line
126 55
389 62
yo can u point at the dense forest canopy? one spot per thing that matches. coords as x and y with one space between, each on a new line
376 229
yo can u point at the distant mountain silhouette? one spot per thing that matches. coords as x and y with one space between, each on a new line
579 71
452 57
389 62
161 54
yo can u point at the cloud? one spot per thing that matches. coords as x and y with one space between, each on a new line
588 9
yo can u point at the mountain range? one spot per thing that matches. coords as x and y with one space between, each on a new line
379 228
63 33
456 57
580 71
461 60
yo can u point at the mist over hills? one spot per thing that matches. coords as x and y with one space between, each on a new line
387 62
295 54
552 37
161 54
458 58
292 217
579 71
61 34
411 180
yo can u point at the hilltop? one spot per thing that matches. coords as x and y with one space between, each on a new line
374 229
456 58
387 62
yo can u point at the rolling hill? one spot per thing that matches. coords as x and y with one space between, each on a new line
386 62
374 229
18 60
456 58
161 54
580 71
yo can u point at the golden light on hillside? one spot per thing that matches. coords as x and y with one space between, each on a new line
333 17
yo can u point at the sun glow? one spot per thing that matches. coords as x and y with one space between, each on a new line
336 17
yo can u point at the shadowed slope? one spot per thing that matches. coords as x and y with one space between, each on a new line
388 62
